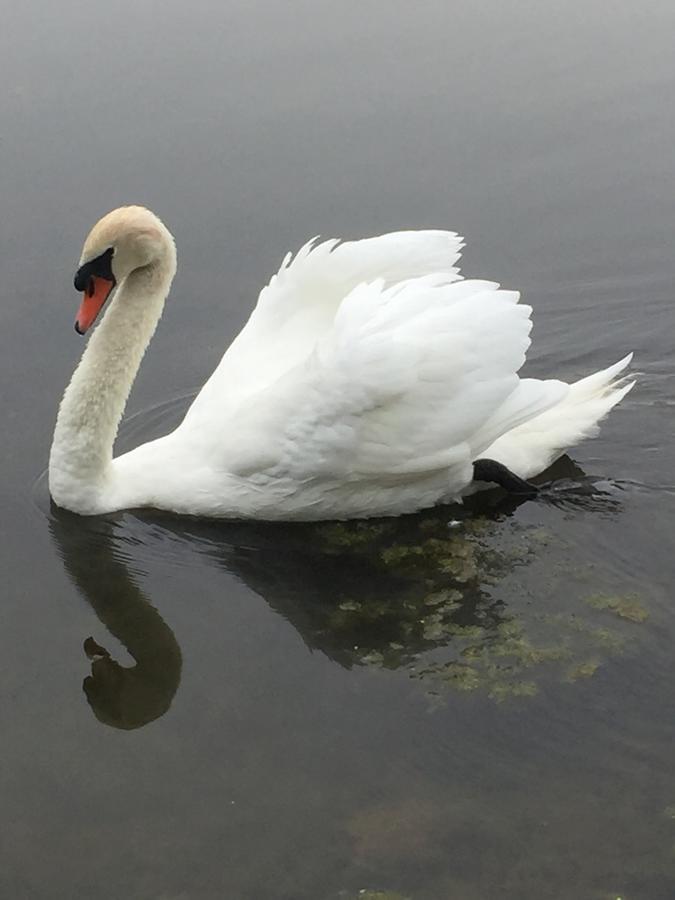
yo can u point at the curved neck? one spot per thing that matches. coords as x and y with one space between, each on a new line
94 401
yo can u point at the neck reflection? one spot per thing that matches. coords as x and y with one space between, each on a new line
125 697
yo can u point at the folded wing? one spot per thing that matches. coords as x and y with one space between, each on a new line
301 301
410 380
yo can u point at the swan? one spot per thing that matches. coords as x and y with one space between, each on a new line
371 379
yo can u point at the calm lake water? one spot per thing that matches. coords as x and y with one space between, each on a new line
465 704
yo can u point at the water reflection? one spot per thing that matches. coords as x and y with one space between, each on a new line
387 593
122 696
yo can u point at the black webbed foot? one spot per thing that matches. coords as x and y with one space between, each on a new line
491 470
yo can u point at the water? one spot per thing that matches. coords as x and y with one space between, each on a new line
466 703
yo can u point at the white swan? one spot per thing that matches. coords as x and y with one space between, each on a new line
368 380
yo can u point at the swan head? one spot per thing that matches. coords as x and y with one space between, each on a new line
125 240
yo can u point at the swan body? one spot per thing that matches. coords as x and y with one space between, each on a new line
368 379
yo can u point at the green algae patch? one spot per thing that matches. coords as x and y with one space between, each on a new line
453 556
512 642
583 670
504 661
603 638
492 661
460 676
449 599
336 537
607 639
450 602
501 690
626 607
497 683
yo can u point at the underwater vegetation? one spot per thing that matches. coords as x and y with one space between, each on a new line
458 613
626 607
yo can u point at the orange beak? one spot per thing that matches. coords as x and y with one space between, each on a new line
97 292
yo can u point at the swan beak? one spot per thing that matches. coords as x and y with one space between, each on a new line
97 292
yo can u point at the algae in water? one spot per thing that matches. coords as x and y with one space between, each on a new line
625 606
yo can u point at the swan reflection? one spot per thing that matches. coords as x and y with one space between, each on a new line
387 593
123 696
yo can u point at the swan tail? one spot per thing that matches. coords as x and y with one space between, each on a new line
533 446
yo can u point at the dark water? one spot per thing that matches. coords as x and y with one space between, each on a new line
464 704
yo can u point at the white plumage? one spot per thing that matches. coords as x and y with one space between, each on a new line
366 382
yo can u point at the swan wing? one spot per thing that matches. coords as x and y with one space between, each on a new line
300 302
412 379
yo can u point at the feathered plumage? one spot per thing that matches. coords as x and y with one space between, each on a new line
367 380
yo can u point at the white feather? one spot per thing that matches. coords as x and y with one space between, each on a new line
533 446
302 299
366 382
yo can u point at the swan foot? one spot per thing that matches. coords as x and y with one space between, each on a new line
491 470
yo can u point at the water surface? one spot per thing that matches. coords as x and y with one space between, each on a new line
467 703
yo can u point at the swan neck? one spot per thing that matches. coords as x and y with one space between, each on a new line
80 465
